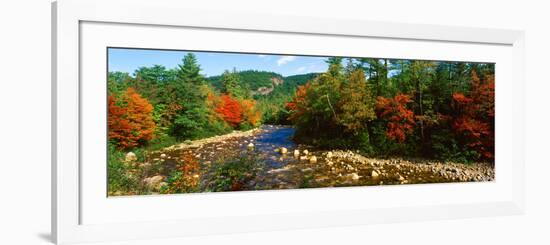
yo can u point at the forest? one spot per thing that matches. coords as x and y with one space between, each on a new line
375 108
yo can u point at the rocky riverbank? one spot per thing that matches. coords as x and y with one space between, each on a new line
347 168
289 165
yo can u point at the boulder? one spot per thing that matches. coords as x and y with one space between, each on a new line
354 176
162 155
250 146
313 159
374 174
306 152
296 153
303 158
283 150
329 154
155 182
131 157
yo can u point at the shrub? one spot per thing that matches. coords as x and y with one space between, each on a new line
232 175
186 178
121 180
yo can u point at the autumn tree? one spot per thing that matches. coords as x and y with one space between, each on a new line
400 119
120 132
336 104
356 103
251 114
131 123
230 110
298 105
475 116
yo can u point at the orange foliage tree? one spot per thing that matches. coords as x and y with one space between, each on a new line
250 113
230 110
400 118
118 125
475 119
297 106
130 122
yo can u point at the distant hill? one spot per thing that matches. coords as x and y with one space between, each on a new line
290 84
256 80
264 83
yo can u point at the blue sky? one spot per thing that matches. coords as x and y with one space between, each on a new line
214 63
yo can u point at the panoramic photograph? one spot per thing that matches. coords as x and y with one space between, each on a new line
184 121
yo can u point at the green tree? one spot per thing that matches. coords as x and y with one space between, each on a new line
156 74
356 103
190 92
233 85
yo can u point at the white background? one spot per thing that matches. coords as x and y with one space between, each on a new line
25 122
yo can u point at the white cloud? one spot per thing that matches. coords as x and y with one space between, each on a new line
262 55
301 69
285 59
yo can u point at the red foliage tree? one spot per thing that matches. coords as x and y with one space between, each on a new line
131 121
297 106
230 110
475 119
400 119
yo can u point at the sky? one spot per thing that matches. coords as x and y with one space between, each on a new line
214 63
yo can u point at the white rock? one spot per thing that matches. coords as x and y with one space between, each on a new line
374 174
401 178
329 154
306 152
250 146
296 153
354 176
284 150
154 182
313 159
130 157
162 155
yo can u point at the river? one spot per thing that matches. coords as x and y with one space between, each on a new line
288 171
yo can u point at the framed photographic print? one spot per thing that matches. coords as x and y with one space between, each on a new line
174 125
